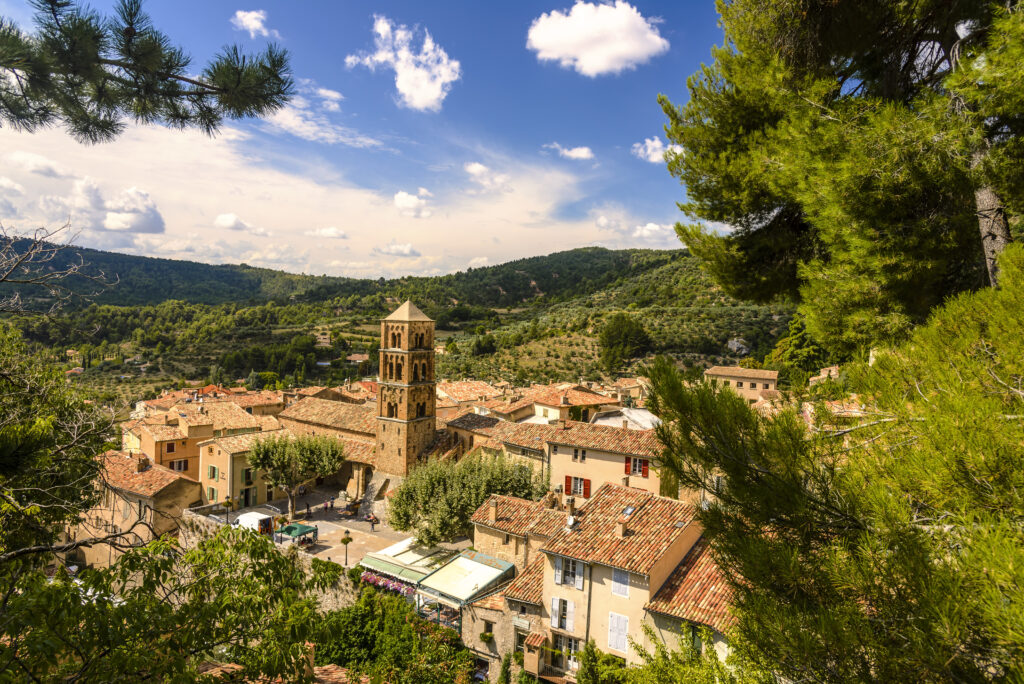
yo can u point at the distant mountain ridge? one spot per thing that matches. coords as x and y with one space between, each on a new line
150 280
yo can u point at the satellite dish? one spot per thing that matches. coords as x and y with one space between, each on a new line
571 521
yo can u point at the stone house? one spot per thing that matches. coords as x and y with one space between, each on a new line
136 497
226 473
746 382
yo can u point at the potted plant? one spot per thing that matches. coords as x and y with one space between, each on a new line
486 637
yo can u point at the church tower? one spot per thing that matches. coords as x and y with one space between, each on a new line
406 398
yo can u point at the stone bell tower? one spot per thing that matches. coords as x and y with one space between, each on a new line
406 399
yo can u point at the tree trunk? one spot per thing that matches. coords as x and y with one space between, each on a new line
995 229
291 504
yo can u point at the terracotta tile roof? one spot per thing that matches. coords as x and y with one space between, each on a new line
653 525
239 444
696 591
474 422
568 397
269 423
359 450
535 639
514 515
494 600
333 414
738 371
619 440
368 385
120 471
163 433
547 522
528 586
528 435
467 390
222 415
260 398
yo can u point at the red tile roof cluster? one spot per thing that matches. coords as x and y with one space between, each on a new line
568 397
467 390
474 422
653 523
642 443
239 444
334 414
260 398
526 435
528 586
513 515
739 371
221 415
121 471
547 522
696 591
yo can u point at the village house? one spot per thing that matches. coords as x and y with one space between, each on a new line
567 402
464 393
317 392
259 402
136 497
172 438
746 382
625 559
226 475
514 529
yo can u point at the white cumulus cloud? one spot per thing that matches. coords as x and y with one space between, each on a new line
232 222
397 249
571 152
653 150
255 22
10 187
413 205
422 78
133 211
485 177
37 163
329 232
479 261
330 99
596 39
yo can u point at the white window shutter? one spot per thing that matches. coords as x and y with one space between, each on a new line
579 575
558 570
569 611
623 632
554 612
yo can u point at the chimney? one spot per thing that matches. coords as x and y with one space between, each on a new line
625 480
620 528
570 506
625 423
492 510
141 463
561 423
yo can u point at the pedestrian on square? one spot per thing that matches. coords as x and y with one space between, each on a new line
332 503
307 509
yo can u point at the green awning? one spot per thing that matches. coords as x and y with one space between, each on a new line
399 572
295 530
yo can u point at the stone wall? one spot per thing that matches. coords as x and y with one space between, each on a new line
194 528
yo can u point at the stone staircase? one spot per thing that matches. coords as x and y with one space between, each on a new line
370 503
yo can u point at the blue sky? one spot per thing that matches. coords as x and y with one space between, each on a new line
515 129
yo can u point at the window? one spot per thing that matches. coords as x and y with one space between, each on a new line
209 450
554 448
181 465
575 454
695 638
545 413
520 641
506 540
247 475
578 487
620 583
212 472
618 629
638 466
211 494
488 626
739 383
568 648
562 613
569 572
583 454
169 448
270 492
726 382
764 385
522 609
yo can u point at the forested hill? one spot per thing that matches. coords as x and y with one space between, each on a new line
555 277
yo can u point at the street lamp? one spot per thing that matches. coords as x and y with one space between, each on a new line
346 540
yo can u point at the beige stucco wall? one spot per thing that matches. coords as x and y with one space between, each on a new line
673 631
749 393
604 602
600 467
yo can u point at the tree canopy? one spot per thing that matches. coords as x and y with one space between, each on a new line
883 543
288 461
89 73
622 338
436 500
853 147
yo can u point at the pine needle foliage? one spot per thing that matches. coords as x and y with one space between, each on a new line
885 544
91 74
